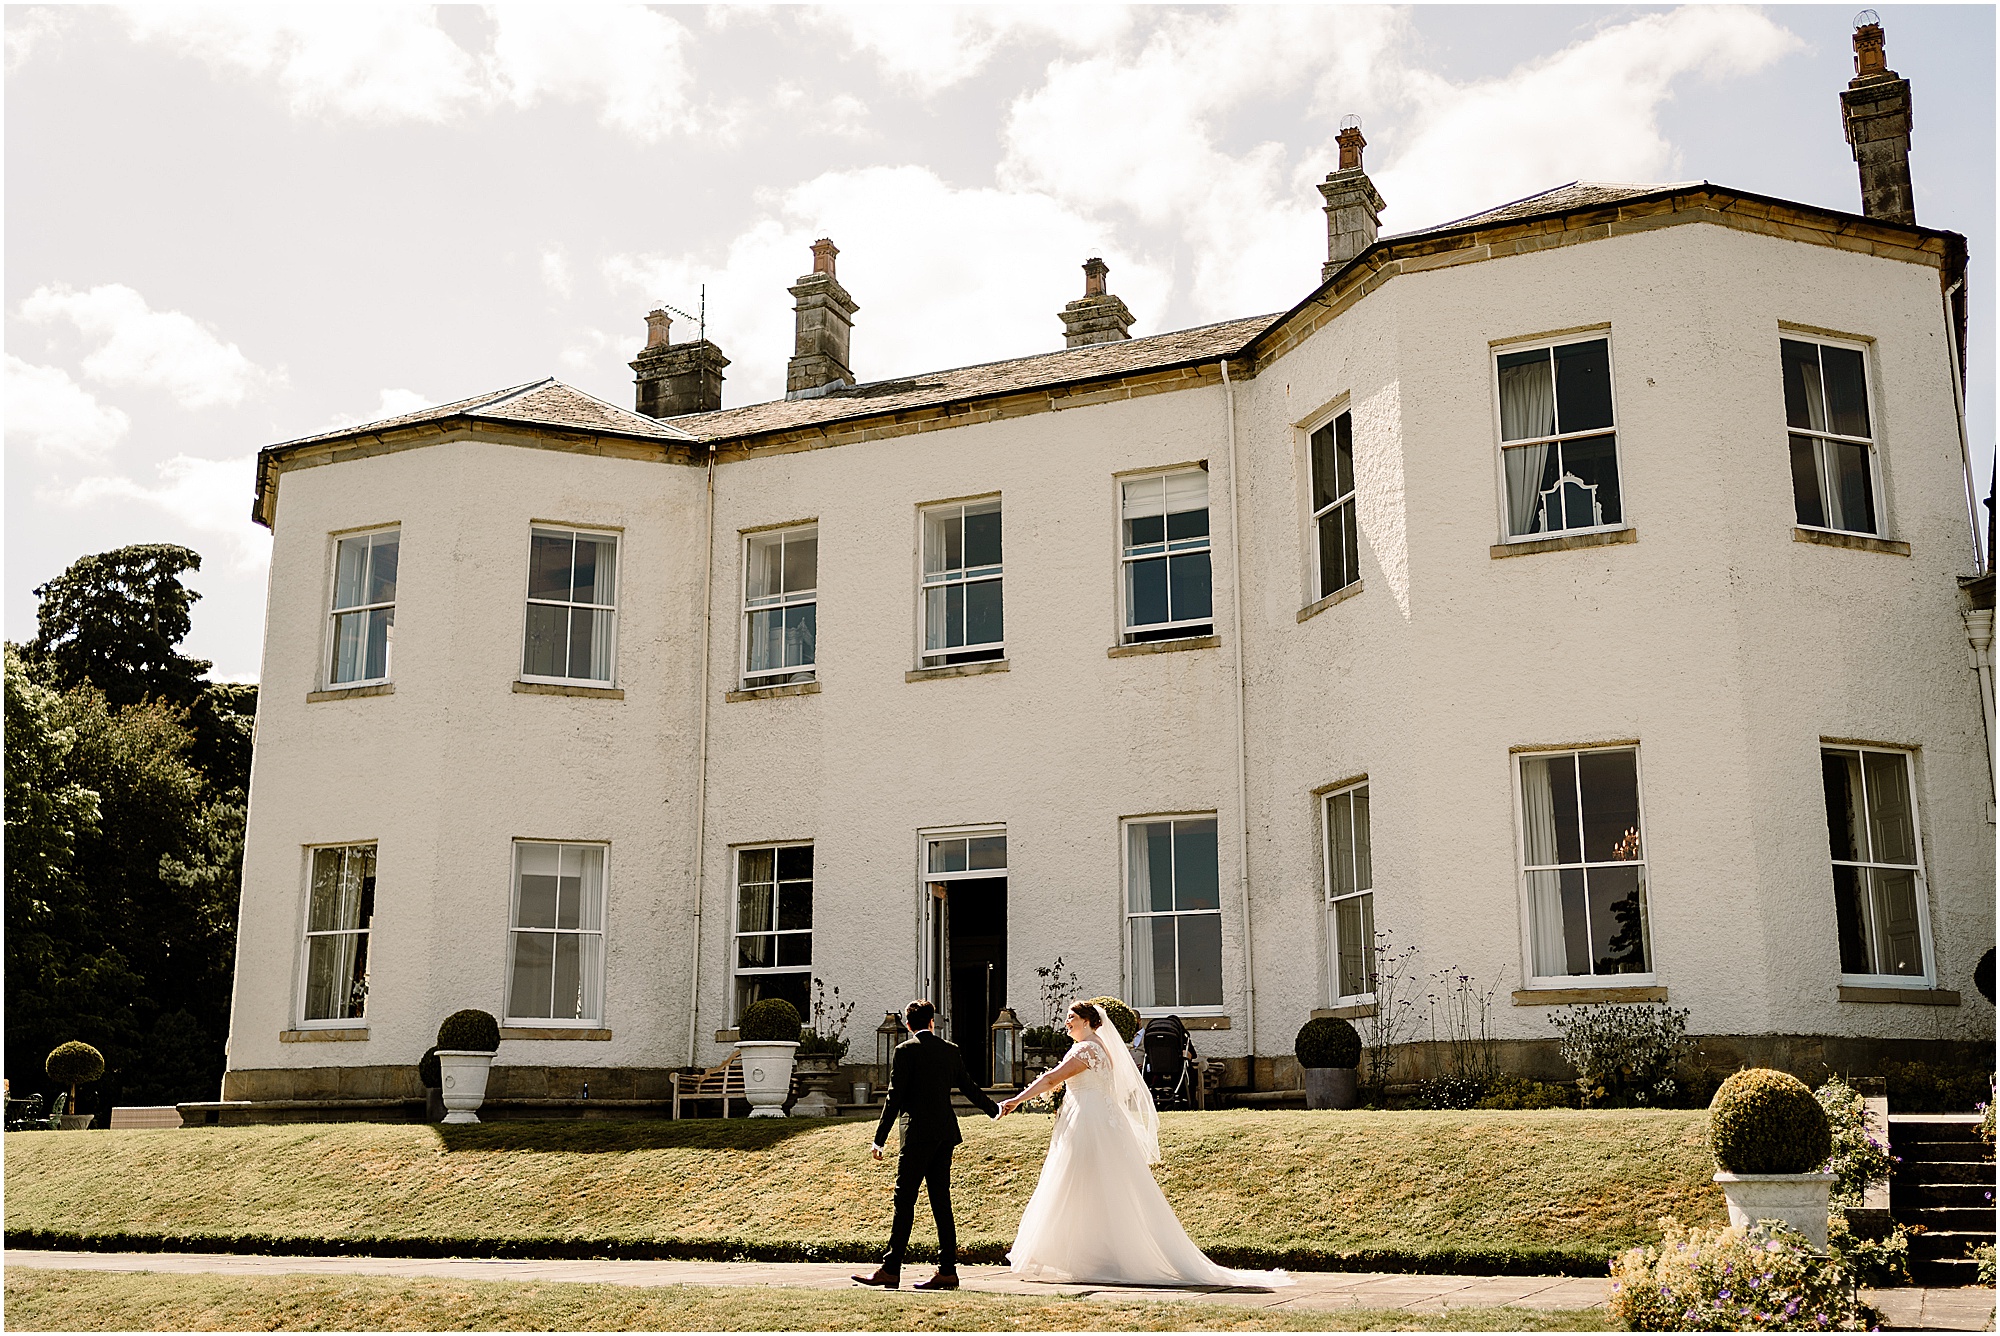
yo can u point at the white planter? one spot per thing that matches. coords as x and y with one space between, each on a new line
463 1072
767 1075
1799 1200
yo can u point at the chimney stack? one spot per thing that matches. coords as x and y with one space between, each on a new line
1353 207
1876 111
1096 317
825 321
676 378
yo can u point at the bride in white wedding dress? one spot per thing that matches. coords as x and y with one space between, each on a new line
1097 1215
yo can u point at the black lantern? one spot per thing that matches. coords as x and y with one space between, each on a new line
1007 1049
888 1034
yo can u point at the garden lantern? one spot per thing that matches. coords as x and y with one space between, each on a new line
1007 1049
887 1035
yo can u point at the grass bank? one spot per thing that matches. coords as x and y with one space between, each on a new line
1479 1191
94 1301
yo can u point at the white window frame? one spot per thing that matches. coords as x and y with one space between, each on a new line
1819 438
806 672
1126 914
1165 549
575 531
1347 498
307 934
334 613
1928 979
1339 999
736 932
1553 341
514 927
1522 868
965 576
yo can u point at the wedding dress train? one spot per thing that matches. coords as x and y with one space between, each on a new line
1097 1215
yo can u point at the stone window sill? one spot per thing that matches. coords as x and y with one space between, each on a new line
1340 595
563 689
348 1035
771 693
550 1032
1572 997
1566 543
1354 1011
351 693
1857 541
1911 997
726 1037
956 670
1162 646
1191 1022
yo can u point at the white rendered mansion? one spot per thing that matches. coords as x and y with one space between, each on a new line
1573 591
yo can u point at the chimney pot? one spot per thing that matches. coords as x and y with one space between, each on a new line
823 252
1094 271
825 315
659 328
1351 143
1097 316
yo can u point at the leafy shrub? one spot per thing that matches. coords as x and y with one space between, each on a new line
1624 1052
1122 1016
827 1037
73 1064
1766 1279
1858 1158
768 1020
1983 1255
1876 1263
429 1074
1517 1092
813 1044
471 1030
1327 1042
1046 1038
1922 1087
1986 1123
1767 1122
1449 1092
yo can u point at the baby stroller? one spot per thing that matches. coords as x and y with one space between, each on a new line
1169 1063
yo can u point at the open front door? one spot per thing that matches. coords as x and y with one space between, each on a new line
964 881
937 979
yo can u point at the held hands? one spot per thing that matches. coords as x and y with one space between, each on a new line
875 1152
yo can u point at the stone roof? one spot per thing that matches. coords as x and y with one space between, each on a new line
539 403
1043 371
1562 199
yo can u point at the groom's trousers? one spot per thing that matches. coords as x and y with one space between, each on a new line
931 1169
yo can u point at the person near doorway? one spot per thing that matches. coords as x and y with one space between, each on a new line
922 1075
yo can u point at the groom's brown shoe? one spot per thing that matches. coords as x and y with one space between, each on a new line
882 1276
943 1280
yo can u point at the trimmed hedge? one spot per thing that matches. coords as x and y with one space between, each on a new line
1768 1122
73 1064
1120 1015
429 1075
1327 1042
472 1030
771 1020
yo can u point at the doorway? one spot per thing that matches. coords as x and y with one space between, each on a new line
965 883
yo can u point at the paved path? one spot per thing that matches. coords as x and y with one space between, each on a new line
1937 1309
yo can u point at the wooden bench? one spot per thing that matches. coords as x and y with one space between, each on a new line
722 1083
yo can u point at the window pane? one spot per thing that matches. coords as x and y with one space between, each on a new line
350 572
381 634
795 948
763 556
1548 809
1153 962
1340 844
1547 932
1201 960
943 542
350 645
982 613
1338 567
1527 396
1189 594
1186 493
1609 781
982 534
1186 525
1354 944
382 549
1576 921
1531 471
590 915
1900 948
801 634
756 952
1583 386
1152 871
539 900
1194 865
547 651
1850 920
1144 499
948 855
569 901
1846 391
1145 531
793 988
986 851
343 892
1853 505
549 565
802 562
753 906
534 974
1893 833
1146 592
936 622
1806 500
1804 407
795 904
596 570
1325 472
754 865
1846 838
767 640
795 862
336 976
1343 454
1618 920
1594 461
568 1001
1364 856
590 645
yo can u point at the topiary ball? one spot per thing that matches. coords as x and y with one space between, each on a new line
773 1020
469 1030
1327 1042
1766 1122
428 1073
74 1063
1120 1015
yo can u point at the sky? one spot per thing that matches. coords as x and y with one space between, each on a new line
231 226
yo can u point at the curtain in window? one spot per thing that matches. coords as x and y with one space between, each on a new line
1527 410
1139 873
1538 847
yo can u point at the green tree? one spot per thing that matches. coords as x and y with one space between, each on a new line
116 621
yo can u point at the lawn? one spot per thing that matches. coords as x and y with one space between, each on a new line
97 1301
1472 1191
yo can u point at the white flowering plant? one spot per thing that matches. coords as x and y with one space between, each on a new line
1763 1279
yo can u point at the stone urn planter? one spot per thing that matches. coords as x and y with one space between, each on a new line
1798 1200
77 1122
820 1074
463 1072
1332 1087
767 1074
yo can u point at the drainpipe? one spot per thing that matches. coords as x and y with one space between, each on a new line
1964 445
1979 638
1242 781
701 768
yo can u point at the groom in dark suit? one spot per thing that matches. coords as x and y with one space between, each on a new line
924 1072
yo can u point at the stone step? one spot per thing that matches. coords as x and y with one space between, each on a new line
1960 1219
1953 1273
1936 1126
1917 1196
1939 1152
1945 1244
1945 1171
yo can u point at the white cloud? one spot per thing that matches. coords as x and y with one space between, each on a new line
394 403
943 276
55 415
626 57
555 270
31 26
209 496
139 346
931 47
